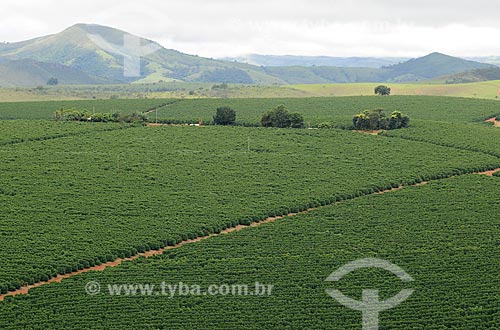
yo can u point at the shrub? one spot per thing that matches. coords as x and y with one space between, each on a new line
325 125
77 115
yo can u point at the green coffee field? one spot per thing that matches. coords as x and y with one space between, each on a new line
449 248
337 110
74 195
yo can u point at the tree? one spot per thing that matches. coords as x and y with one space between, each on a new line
225 116
52 81
376 119
280 117
382 90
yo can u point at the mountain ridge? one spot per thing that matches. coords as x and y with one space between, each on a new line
74 56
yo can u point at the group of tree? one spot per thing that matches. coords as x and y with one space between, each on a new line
376 120
86 116
282 118
382 90
278 117
225 116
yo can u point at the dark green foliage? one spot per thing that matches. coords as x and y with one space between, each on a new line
377 120
397 121
130 117
280 117
296 120
326 124
225 116
382 90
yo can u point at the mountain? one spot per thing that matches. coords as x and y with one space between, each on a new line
98 52
95 54
28 72
324 74
420 69
431 66
293 60
471 76
495 60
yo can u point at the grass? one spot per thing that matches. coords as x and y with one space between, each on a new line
484 90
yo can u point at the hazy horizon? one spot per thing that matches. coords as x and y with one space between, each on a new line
224 28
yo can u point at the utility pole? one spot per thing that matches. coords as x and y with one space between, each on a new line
156 116
248 148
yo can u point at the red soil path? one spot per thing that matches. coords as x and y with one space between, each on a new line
59 278
494 120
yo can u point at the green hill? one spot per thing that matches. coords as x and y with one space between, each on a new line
420 69
432 66
471 76
91 54
33 73
77 48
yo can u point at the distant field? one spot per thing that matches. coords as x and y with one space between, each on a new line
485 90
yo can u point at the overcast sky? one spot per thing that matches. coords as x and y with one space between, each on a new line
216 28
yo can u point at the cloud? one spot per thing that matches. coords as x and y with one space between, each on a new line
314 27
